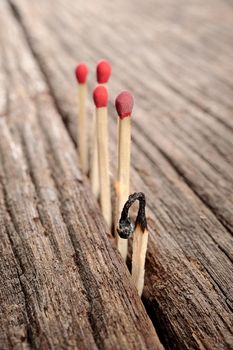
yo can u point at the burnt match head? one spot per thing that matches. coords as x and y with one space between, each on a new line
125 228
103 71
100 96
81 72
124 104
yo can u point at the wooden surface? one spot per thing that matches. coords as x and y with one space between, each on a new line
176 57
62 284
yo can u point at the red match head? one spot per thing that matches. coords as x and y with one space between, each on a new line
81 73
103 71
124 104
100 96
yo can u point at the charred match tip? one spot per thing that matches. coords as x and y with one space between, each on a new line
124 104
103 71
81 72
126 227
100 97
141 217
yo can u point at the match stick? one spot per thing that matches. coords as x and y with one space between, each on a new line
140 237
103 72
100 96
124 106
81 75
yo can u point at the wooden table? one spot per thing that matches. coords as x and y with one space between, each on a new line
63 285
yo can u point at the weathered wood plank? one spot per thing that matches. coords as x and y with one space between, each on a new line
63 286
189 267
202 168
189 276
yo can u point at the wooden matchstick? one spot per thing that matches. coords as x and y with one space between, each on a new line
124 106
103 72
94 175
140 241
81 72
140 237
100 96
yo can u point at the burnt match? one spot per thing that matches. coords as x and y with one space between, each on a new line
103 72
140 237
100 96
81 72
124 105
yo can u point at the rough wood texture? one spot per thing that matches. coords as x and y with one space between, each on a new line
62 285
179 69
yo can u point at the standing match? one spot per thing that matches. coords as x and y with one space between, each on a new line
100 96
81 72
124 105
103 72
140 237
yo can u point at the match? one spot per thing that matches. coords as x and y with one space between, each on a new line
124 105
103 72
100 96
140 237
81 72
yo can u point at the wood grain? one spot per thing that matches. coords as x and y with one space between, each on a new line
62 284
178 67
